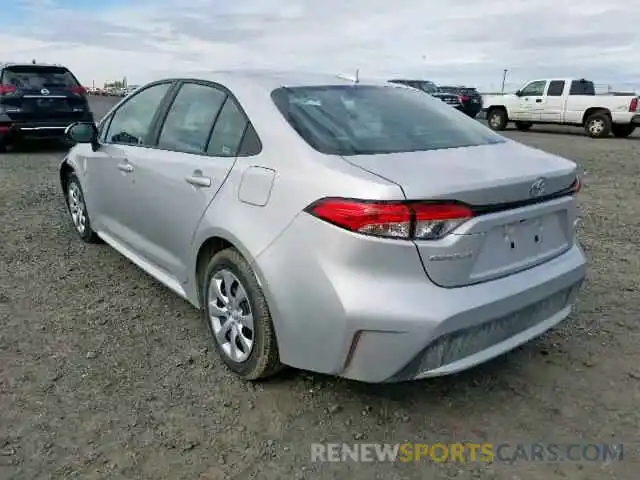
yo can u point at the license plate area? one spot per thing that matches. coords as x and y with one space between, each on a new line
521 244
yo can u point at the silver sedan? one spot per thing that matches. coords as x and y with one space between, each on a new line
353 228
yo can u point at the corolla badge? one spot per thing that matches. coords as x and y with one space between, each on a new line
537 188
44 91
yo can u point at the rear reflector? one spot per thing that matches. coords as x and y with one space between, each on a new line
401 220
577 186
633 106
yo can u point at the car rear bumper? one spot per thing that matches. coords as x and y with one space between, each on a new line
39 129
366 310
635 120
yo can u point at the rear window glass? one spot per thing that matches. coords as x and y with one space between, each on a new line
29 77
582 87
367 119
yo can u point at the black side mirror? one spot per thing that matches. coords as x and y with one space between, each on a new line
518 93
83 133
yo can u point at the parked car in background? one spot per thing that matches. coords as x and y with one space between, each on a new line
39 101
432 89
130 89
470 98
565 101
405 240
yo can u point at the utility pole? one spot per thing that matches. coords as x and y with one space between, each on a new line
504 78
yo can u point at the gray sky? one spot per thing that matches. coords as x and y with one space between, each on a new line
460 41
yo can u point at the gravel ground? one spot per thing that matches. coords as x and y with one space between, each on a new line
104 373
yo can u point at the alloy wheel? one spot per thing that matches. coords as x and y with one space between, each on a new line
230 315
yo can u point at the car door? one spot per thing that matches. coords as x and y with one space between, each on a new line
531 102
553 104
110 169
195 150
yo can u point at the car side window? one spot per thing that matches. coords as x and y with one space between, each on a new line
130 124
534 89
190 118
556 87
228 130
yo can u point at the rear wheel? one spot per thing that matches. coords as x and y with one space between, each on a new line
238 317
598 125
622 131
497 119
523 126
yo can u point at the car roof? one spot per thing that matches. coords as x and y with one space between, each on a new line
29 64
273 79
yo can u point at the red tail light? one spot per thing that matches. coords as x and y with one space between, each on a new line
577 186
633 106
402 220
79 90
464 98
7 89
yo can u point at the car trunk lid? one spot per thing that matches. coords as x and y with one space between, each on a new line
521 197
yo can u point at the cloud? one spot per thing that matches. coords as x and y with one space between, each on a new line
465 42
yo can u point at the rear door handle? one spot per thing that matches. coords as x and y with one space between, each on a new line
197 180
539 100
125 166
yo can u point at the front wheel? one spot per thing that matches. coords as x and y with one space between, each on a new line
622 131
78 210
497 119
238 317
598 125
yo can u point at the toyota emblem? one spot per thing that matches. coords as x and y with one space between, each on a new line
537 188
44 91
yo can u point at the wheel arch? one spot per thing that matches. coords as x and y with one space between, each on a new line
208 244
592 110
65 170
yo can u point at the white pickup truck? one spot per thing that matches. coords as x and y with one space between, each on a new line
564 102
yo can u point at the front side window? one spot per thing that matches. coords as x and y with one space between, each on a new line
190 119
534 89
367 119
130 124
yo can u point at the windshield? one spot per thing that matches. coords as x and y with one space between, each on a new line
427 86
36 77
365 119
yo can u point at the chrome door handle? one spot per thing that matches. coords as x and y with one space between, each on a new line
198 181
125 166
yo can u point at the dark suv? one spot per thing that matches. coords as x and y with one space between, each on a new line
39 101
432 89
469 97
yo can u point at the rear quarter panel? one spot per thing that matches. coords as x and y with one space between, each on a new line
577 105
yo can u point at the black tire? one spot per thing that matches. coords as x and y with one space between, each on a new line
523 126
598 125
497 119
622 131
86 234
4 143
263 359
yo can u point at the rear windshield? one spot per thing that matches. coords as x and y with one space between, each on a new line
366 119
35 77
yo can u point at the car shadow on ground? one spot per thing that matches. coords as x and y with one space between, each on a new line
38 146
577 132
496 375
